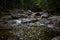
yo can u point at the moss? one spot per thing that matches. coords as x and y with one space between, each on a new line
44 34
30 33
13 22
5 32
1 19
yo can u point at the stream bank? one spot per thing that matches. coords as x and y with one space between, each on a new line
28 25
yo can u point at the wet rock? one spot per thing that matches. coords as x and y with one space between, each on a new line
26 19
33 15
57 29
56 38
53 27
16 16
38 14
44 15
58 24
28 12
41 12
55 18
31 24
7 17
31 28
50 25
19 11
13 24
11 12
42 22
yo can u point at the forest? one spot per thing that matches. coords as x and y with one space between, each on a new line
47 5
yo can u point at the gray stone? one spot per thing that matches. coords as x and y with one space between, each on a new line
55 18
44 15
50 25
42 22
7 17
56 38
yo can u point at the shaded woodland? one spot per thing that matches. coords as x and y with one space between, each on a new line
29 19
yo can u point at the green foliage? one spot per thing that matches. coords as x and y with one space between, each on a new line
10 4
13 4
46 5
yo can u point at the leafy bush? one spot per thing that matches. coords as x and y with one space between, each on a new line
48 5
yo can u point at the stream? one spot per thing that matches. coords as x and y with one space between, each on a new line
31 28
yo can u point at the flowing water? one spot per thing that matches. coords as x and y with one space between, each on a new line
29 29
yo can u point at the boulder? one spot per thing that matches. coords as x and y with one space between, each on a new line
56 38
55 18
44 15
7 17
